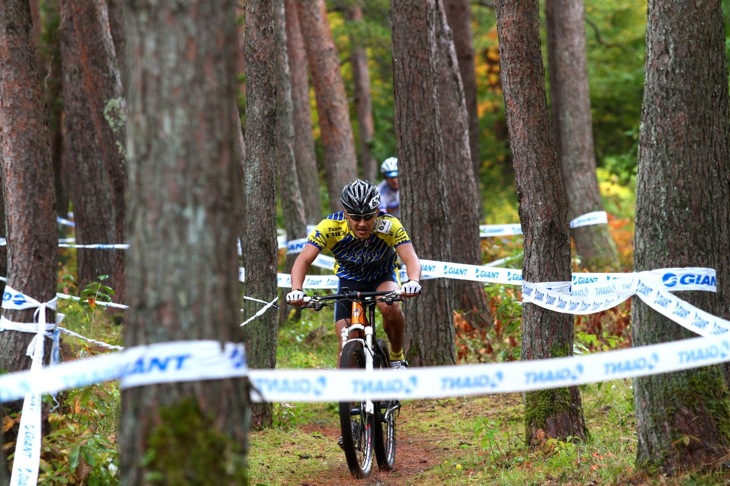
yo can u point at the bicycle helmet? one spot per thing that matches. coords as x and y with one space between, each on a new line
360 197
389 167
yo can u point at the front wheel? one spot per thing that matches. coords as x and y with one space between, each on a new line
355 422
385 414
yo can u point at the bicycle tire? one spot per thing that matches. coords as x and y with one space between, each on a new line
355 422
384 430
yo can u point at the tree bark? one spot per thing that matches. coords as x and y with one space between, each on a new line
95 136
49 53
464 197
27 174
304 154
259 246
422 155
363 102
183 226
338 144
555 413
292 207
458 14
683 219
571 116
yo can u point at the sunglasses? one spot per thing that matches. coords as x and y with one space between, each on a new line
360 217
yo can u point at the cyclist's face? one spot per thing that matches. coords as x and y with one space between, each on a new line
364 227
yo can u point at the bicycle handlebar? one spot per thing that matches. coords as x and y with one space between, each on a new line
316 301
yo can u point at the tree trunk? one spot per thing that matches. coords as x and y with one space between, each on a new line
259 246
571 116
95 136
683 219
49 52
458 14
340 162
118 31
363 103
292 207
463 195
555 413
304 154
27 174
422 155
183 222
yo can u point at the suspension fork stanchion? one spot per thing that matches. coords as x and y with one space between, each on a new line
359 318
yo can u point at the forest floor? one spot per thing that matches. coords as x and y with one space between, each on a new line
465 440
427 440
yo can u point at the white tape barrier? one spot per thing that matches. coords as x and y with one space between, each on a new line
652 293
65 222
97 246
451 381
203 360
167 362
28 445
672 279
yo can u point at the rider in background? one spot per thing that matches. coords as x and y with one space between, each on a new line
389 198
365 242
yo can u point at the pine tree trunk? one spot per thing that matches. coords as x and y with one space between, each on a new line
307 171
458 14
290 195
363 102
338 143
183 226
27 176
463 195
95 137
683 219
571 115
259 245
555 413
422 161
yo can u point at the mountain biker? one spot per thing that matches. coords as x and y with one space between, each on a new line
365 242
388 189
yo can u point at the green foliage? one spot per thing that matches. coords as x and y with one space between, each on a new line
615 35
498 441
81 314
81 446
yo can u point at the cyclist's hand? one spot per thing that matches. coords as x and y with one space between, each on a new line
411 288
295 297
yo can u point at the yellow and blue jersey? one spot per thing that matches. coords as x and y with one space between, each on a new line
356 259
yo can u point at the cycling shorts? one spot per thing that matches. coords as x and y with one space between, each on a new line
343 308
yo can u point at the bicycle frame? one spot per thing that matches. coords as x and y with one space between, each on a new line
368 426
362 326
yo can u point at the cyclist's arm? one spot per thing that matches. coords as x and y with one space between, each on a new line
408 256
302 264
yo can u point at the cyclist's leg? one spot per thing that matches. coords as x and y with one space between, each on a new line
394 321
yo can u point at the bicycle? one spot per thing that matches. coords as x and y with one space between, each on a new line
367 426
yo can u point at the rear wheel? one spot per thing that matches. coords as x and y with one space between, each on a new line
355 422
384 426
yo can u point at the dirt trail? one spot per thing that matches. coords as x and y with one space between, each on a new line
416 451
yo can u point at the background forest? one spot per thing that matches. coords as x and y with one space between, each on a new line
615 40
139 100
